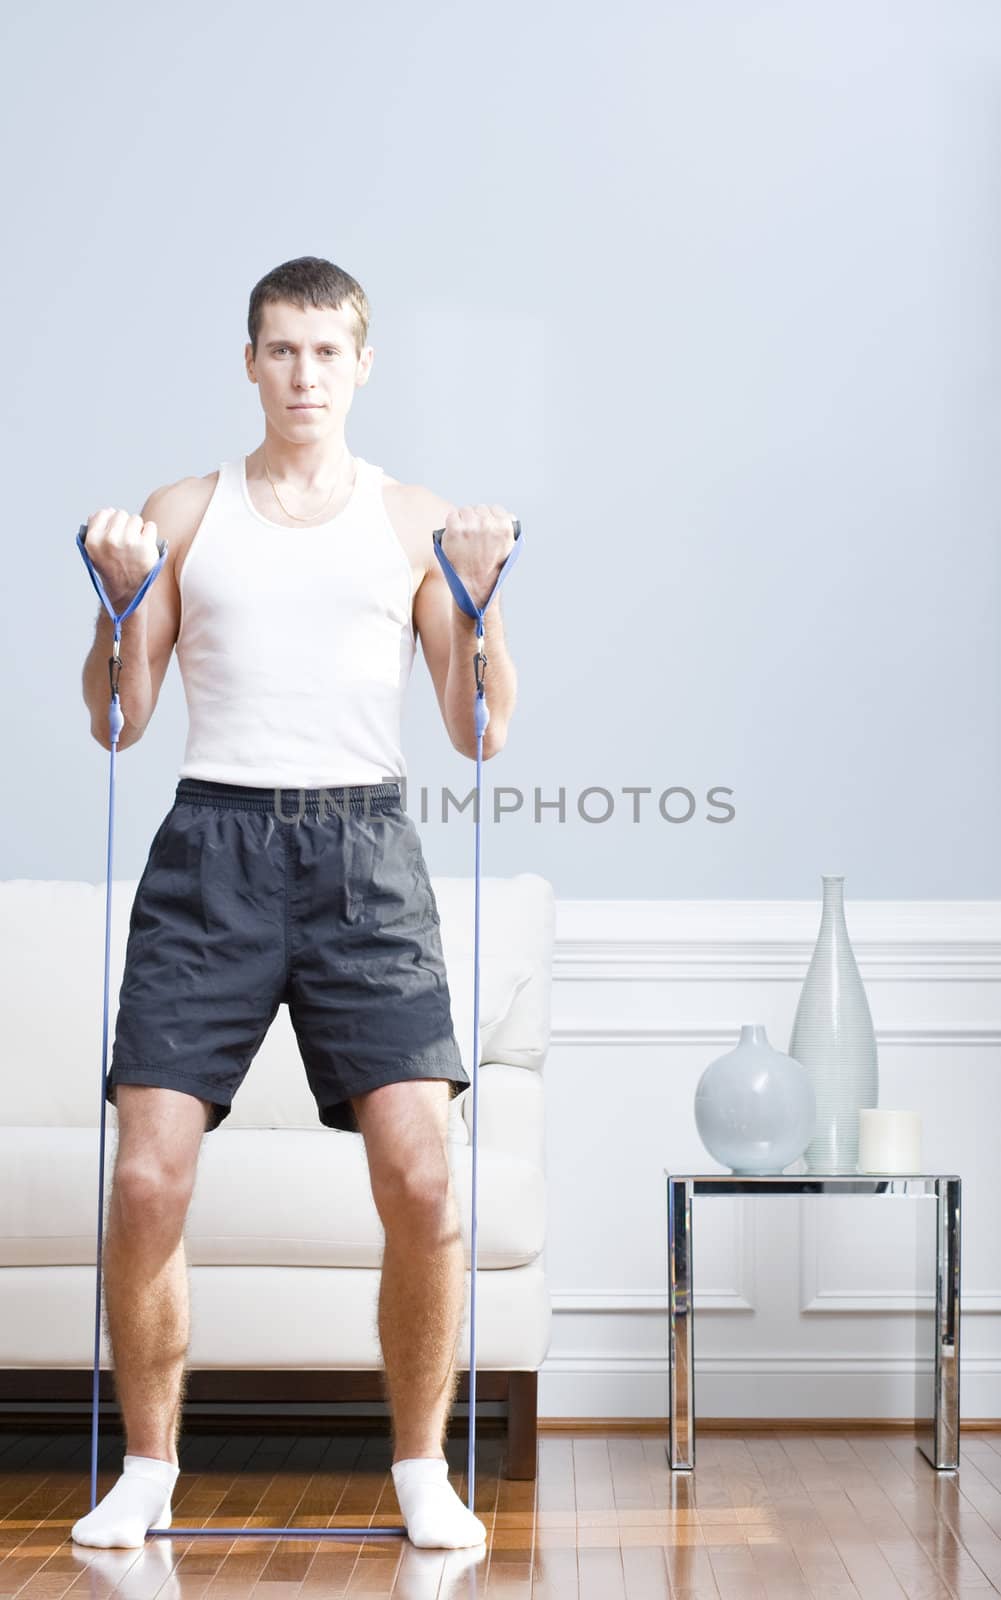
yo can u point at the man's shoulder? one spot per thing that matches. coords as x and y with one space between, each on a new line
185 493
177 508
415 502
415 511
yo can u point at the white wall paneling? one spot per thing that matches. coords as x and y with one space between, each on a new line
805 1307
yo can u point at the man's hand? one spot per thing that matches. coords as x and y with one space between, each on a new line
477 541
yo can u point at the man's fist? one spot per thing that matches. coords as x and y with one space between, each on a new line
477 541
123 549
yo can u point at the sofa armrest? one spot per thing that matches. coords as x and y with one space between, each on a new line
510 1111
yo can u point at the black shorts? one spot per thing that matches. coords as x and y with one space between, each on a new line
316 897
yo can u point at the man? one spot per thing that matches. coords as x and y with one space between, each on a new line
296 583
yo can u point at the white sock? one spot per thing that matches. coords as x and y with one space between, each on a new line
435 1516
139 1500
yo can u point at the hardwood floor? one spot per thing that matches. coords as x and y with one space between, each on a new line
765 1516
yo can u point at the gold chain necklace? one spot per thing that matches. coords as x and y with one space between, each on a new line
292 514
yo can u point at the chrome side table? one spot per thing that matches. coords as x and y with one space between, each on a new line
939 1441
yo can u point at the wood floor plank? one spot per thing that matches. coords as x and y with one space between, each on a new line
867 1566
223 1495
794 1518
141 1573
783 1515
632 1487
925 1502
645 1572
956 1497
916 1571
39 1513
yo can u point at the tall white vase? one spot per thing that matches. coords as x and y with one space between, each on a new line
833 1036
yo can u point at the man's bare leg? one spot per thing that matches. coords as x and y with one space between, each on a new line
147 1320
146 1301
421 1295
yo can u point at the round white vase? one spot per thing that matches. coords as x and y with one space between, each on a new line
755 1107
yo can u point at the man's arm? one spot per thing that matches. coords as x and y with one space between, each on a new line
148 636
448 638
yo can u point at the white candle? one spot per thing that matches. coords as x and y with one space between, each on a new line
889 1141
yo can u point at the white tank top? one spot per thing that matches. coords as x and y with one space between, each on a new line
296 644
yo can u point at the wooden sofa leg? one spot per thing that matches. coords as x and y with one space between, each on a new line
522 1424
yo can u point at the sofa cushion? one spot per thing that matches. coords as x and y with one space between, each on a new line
263 1197
52 935
272 1318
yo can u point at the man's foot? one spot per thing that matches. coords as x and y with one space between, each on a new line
435 1516
139 1500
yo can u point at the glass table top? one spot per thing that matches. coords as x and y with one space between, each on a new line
724 1176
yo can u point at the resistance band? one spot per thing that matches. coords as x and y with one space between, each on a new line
116 720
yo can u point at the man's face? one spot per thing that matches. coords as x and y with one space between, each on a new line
307 359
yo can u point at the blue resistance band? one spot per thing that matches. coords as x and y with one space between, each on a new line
116 720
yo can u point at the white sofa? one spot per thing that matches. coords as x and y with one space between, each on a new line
283 1240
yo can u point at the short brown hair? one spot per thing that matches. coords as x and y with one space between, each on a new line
309 281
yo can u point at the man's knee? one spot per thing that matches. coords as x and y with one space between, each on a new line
159 1138
152 1193
412 1193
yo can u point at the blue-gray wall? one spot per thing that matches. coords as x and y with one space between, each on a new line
706 293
